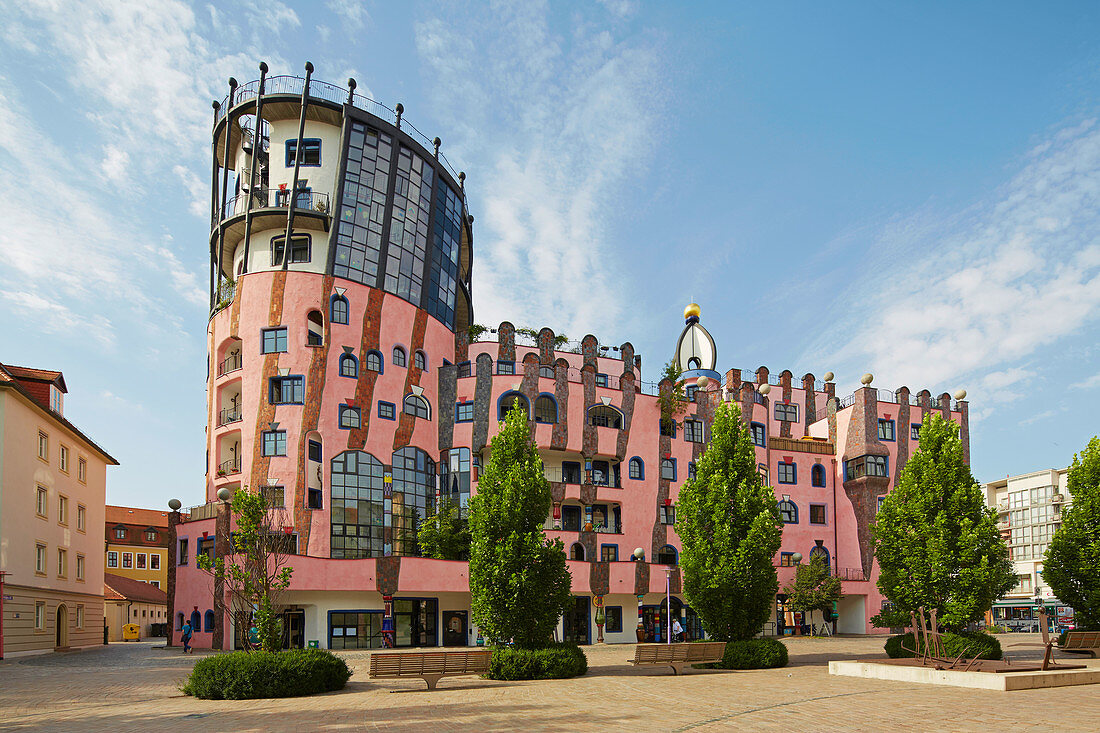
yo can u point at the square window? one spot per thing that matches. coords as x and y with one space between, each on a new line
464 412
786 473
571 518
786 412
613 619
668 514
150 535
387 410
786 559
693 431
154 561
886 430
120 533
570 472
274 443
609 553
299 246
112 559
274 340
311 152
817 514
287 391
601 380
275 496
128 560
506 367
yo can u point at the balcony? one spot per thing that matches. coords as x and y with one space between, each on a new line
230 467
229 415
231 363
856 574
311 202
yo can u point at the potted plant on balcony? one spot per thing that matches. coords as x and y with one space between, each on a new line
322 206
220 472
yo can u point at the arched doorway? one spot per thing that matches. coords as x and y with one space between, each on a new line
61 627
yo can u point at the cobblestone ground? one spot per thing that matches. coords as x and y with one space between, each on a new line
134 687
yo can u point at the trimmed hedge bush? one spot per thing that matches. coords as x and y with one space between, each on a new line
555 662
754 654
970 643
251 675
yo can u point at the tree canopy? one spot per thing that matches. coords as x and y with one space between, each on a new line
1072 564
444 535
815 588
936 541
729 526
519 582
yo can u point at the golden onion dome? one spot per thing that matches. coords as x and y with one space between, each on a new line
692 310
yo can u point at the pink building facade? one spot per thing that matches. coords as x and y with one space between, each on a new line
343 382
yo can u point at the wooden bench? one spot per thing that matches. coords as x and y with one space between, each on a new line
679 656
1081 642
430 666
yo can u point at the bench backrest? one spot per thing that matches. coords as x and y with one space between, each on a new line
414 663
702 651
1082 640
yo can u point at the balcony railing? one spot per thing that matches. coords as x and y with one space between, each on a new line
329 93
231 363
851 574
275 198
229 415
233 465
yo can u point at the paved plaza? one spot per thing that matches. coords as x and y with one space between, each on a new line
134 687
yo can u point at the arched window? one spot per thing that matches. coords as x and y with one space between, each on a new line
416 406
315 327
637 469
576 551
357 505
349 367
420 361
195 620
667 555
413 497
605 416
208 621
546 410
817 475
788 511
374 361
819 550
668 469
507 400
338 309
398 356
546 371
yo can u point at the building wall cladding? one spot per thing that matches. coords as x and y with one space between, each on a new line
379 321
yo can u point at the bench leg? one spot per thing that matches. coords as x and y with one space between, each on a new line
432 680
676 669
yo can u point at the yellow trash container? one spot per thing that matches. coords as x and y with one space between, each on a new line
130 632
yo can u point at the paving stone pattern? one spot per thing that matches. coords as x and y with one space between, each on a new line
134 687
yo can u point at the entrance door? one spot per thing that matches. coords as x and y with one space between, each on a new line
62 627
575 622
294 625
415 622
454 628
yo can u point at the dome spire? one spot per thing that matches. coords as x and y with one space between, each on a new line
695 351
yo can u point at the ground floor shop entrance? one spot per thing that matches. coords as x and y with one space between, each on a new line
415 621
294 629
575 627
455 628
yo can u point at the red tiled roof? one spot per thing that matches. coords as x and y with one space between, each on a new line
135 515
8 380
118 588
38 375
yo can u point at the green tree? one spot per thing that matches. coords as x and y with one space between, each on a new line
519 582
255 572
444 535
673 401
729 526
936 542
815 588
1072 564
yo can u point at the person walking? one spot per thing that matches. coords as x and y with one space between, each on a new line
185 637
677 630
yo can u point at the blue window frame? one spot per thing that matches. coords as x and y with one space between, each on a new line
349 367
817 514
207 621
196 618
786 412
865 466
786 559
691 470
374 361
416 406
287 390
350 417
693 431
338 309
886 430
506 367
601 380
668 428
788 511
181 556
387 410
914 431
274 443
508 400
817 475
464 412
668 469
420 361
636 469
311 151
546 409
464 370
609 553
613 619
274 340
759 434
570 472
689 392
787 473
314 451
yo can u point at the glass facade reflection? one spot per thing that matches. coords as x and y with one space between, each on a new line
413 497
363 205
358 508
446 237
408 235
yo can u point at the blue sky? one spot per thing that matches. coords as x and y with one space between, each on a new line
911 189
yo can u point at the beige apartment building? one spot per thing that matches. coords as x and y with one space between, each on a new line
1029 510
52 494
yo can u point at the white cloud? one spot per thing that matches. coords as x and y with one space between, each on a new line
115 164
985 288
1090 383
53 317
352 14
553 125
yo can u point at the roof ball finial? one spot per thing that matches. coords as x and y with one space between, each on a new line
866 379
692 313
960 394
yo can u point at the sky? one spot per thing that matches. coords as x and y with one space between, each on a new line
907 189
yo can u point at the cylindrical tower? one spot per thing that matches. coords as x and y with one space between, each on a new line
340 259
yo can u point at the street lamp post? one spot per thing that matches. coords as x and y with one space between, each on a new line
796 558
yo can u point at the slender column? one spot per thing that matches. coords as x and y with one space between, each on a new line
214 219
257 145
225 185
173 543
297 167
